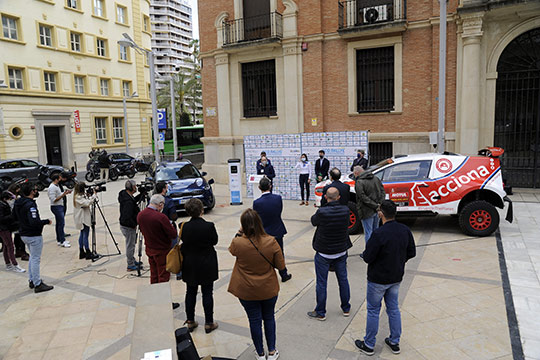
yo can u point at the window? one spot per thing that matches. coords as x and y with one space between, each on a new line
124 54
259 88
146 23
45 35
121 14
99 8
409 171
126 88
29 163
15 78
79 84
101 45
375 79
104 85
100 124
75 42
9 27
50 81
72 4
118 129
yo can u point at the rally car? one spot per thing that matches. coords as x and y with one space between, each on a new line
470 187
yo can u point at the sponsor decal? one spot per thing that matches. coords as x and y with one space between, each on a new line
444 166
457 181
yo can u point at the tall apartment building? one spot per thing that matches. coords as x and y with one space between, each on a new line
290 66
172 28
66 77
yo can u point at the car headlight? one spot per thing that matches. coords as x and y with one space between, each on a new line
199 182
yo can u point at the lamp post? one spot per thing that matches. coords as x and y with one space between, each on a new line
128 41
442 77
134 95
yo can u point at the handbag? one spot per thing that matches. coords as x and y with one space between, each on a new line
175 257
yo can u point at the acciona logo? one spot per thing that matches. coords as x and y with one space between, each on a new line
457 181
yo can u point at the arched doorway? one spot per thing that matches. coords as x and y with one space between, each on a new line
517 110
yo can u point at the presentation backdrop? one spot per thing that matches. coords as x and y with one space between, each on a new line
284 152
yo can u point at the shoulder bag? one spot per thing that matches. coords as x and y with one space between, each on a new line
174 257
265 258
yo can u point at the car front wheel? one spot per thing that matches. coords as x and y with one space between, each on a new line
479 218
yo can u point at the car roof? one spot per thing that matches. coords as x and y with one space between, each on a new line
424 156
174 163
8 160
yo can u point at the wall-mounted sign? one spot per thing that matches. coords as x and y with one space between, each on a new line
313 121
210 111
77 120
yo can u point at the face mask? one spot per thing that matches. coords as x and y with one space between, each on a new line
11 203
321 156
358 155
304 159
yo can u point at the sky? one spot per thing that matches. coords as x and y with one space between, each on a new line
195 13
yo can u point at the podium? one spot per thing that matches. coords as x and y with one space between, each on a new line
253 181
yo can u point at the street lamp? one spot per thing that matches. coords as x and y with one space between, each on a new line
129 42
134 95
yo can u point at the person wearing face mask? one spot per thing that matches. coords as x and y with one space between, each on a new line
31 226
305 174
360 160
266 169
7 225
20 248
259 165
322 165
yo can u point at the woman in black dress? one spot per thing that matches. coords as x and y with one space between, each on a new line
200 265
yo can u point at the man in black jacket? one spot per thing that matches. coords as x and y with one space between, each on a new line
360 160
322 165
386 253
26 213
331 242
104 164
129 209
344 189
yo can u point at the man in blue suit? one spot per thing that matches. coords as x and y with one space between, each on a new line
269 207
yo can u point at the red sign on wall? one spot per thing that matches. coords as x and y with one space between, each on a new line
77 121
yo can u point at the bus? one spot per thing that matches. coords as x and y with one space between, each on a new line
188 138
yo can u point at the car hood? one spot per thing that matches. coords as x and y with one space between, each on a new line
185 185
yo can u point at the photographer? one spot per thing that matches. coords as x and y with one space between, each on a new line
82 200
128 221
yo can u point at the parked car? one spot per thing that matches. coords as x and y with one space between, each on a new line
25 168
185 182
470 187
121 158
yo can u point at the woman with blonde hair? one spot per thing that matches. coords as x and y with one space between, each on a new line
254 281
83 218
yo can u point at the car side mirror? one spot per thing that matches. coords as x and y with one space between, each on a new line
211 181
204 173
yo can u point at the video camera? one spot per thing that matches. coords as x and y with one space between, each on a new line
145 186
95 188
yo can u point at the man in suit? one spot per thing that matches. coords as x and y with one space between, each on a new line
269 207
322 165
344 189
360 160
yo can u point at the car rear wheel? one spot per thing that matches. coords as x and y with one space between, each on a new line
479 218
355 225
131 173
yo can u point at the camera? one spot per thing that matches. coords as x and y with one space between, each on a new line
95 188
145 186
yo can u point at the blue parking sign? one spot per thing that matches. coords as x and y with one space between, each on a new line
162 119
161 136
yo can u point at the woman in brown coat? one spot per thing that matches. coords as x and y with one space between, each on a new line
254 279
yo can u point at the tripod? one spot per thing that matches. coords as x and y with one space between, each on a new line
143 201
93 207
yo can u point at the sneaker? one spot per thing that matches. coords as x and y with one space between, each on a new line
286 278
67 235
363 348
25 257
65 244
315 315
395 348
191 325
302 203
259 357
208 328
133 268
42 288
346 313
273 356
31 284
9 267
18 269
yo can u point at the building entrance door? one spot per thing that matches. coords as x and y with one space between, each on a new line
517 110
53 145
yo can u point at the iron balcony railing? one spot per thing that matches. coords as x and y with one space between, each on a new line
267 26
358 13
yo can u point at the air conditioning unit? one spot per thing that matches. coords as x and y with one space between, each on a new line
375 14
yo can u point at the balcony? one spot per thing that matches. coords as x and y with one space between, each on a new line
367 17
261 29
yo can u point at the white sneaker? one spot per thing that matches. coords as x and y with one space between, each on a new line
66 244
273 356
18 269
9 267
259 357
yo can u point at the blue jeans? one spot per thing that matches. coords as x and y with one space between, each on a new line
35 246
58 211
375 294
322 266
83 237
257 311
370 224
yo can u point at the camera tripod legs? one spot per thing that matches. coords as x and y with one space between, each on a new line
97 256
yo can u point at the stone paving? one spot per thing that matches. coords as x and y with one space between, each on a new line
452 299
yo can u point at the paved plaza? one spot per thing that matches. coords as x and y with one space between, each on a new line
455 298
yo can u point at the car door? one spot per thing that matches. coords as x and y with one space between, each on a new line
404 184
15 169
31 168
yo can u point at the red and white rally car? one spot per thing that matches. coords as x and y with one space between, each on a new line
468 186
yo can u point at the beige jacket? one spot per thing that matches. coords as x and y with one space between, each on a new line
81 212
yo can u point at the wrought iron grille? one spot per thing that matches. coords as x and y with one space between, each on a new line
267 26
379 151
356 13
259 88
375 79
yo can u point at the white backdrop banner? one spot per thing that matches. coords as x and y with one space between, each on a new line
284 152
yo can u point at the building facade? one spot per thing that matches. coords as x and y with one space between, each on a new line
286 66
65 79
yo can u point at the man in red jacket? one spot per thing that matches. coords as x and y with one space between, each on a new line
158 232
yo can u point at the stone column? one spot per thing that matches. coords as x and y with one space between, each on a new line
470 113
223 94
293 87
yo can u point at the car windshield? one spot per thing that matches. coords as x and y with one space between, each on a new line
187 171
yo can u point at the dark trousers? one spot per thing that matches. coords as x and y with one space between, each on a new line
20 247
58 211
158 273
257 312
207 300
283 272
9 252
304 185
322 266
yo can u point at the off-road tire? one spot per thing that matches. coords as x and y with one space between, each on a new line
355 225
479 218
